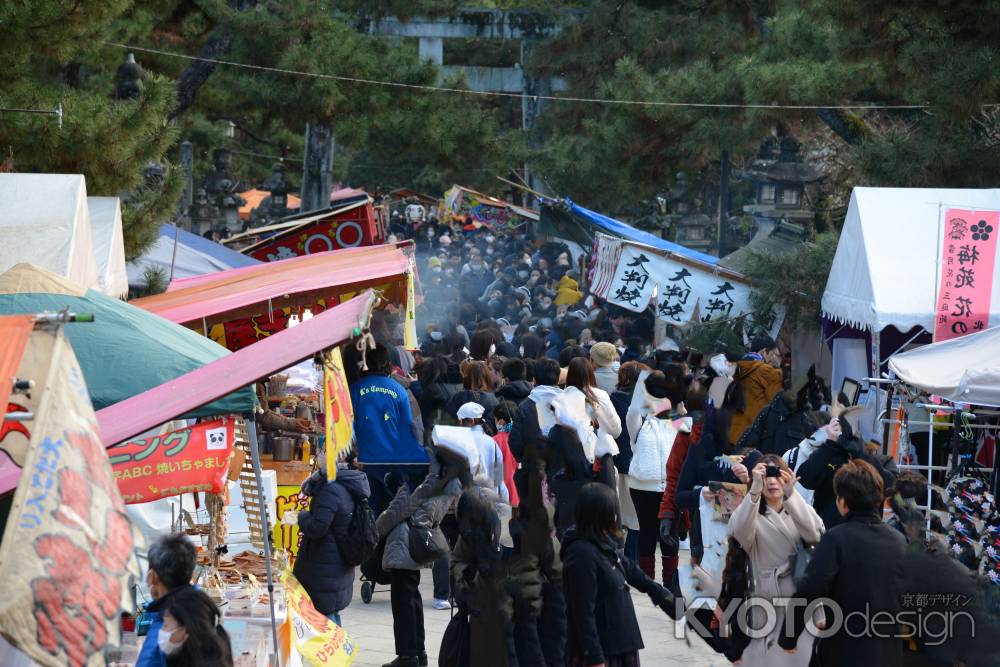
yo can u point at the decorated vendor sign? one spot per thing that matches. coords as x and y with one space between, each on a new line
628 275
965 278
348 227
182 461
471 207
67 556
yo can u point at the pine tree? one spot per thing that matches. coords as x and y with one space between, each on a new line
54 54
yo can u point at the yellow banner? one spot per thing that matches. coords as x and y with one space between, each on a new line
410 324
338 411
318 640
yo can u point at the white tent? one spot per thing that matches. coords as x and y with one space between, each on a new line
109 244
965 370
45 220
194 256
885 270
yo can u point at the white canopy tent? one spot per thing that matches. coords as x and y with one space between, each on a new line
885 274
45 220
885 270
109 244
962 370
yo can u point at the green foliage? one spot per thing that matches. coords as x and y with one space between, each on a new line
795 52
794 281
715 336
52 53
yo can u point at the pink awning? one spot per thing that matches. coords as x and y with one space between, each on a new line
252 290
130 417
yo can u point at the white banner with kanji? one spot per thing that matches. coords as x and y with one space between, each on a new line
682 288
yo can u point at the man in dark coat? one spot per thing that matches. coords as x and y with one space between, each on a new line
818 471
515 376
858 564
319 566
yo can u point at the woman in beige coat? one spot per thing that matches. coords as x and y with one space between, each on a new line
768 524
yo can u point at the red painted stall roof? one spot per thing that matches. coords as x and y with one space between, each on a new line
252 290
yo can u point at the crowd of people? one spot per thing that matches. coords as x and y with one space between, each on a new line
537 451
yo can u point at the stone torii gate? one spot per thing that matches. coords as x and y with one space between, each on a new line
528 27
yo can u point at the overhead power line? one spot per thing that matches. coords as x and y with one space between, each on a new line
487 93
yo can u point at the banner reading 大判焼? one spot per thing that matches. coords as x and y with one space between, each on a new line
965 279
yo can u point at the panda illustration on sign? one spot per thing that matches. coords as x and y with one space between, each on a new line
215 438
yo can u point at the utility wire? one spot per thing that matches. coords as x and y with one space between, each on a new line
522 96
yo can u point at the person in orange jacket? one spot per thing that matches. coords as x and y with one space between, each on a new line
758 376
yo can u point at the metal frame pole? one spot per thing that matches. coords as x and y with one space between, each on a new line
255 457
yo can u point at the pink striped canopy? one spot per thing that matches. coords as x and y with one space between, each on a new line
253 290
133 416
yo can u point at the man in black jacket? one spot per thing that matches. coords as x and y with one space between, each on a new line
515 375
817 472
858 565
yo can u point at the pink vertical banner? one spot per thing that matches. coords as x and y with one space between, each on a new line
965 281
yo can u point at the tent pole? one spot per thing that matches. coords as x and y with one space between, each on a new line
255 455
173 258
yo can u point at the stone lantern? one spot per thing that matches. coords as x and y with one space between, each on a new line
780 178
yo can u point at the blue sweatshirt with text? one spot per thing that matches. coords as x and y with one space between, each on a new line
383 423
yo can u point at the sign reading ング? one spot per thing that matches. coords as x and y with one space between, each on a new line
182 461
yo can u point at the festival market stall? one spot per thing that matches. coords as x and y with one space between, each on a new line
68 551
125 420
351 220
474 210
901 276
236 308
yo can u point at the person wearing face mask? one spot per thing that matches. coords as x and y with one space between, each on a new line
604 356
171 566
192 632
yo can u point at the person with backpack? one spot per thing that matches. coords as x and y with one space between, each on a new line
411 528
337 535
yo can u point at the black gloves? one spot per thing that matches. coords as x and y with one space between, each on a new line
667 535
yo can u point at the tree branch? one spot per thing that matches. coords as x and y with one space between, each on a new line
850 129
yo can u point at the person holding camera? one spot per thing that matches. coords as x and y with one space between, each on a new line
769 525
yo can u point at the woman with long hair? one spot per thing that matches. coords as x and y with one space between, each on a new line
769 525
192 632
601 623
600 410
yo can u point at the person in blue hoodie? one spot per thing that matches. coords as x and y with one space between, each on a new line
387 437
171 566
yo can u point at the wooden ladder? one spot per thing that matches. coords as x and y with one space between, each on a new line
249 489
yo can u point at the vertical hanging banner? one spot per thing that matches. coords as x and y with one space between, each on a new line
337 409
634 278
965 279
410 324
316 638
67 557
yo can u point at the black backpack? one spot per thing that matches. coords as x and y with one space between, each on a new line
359 543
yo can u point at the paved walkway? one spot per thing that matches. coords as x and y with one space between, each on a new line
371 626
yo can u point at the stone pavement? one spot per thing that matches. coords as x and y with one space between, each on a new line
371 626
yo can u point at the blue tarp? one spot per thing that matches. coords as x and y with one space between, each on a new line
194 256
620 229
220 252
